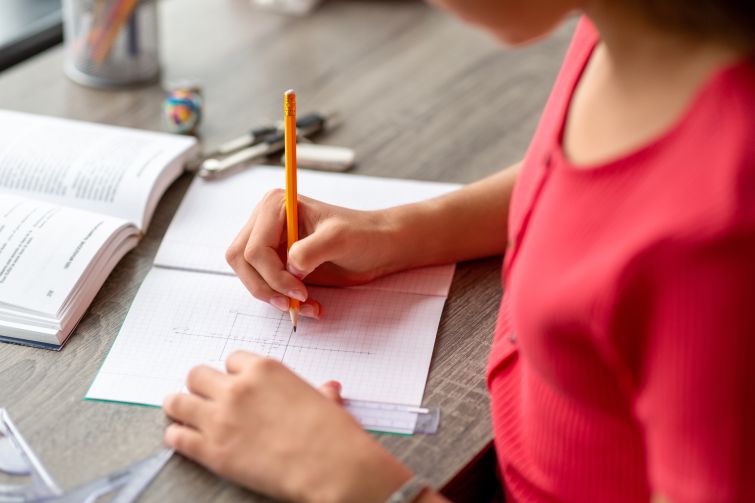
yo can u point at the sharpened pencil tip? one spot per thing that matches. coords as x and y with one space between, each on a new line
294 313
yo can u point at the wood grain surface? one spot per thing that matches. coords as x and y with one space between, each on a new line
421 96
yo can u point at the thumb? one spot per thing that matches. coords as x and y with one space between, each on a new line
332 390
309 253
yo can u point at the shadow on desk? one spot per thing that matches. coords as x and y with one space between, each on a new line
478 481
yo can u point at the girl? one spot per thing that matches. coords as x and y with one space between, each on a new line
620 369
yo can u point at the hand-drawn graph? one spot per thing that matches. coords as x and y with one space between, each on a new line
377 343
267 335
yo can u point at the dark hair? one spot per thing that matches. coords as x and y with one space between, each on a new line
730 20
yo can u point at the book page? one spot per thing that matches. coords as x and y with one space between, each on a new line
378 344
214 211
45 250
103 169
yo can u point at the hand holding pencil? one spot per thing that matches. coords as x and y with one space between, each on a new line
290 237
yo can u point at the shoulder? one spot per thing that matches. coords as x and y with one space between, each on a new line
695 209
703 178
585 35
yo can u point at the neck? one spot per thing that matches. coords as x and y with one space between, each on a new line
634 46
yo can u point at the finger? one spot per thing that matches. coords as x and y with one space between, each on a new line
206 381
259 288
186 440
261 250
186 409
235 252
248 276
323 245
332 391
311 309
239 360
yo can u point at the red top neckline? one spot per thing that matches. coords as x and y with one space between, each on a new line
651 146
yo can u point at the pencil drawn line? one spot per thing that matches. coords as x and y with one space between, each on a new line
273 343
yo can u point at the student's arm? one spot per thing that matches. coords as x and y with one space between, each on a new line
262 426
469 223
341 246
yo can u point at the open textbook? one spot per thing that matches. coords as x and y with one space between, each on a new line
376 339
74 198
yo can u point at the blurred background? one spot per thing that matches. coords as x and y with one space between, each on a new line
28 27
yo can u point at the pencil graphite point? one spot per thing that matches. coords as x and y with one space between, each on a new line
294 314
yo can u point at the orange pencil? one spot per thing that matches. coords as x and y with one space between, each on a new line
292 211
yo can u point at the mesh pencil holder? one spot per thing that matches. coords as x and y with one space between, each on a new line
111 43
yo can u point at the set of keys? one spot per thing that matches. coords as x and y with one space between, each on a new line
263 142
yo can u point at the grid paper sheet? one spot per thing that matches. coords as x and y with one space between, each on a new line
376 339
377 343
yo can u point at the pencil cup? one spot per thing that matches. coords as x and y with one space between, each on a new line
111 43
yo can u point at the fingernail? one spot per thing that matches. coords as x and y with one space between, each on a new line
279 302
293 270
298 295
308 310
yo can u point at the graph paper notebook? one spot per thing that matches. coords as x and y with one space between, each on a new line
376 339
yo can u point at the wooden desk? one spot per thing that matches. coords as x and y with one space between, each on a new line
426 98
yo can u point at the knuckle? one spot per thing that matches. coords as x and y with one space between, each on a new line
301 258
240 358
232 254
236 355
262 368
250 253
169 404
192 377
274 196
176 404
240 388
180 442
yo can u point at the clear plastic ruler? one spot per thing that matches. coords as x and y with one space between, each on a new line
394 418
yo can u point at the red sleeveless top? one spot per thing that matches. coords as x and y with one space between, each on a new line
622 364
